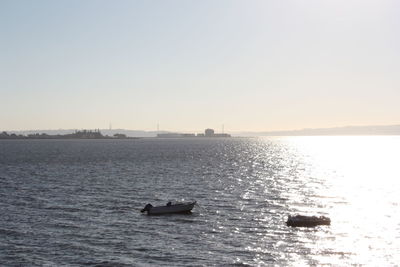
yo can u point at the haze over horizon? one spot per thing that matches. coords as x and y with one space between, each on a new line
252 66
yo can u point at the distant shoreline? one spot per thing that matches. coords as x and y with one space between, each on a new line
336 131
109 133
81 135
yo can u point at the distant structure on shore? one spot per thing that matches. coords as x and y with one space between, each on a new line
211 133
84 134
207 133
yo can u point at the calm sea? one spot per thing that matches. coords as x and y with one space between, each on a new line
77 202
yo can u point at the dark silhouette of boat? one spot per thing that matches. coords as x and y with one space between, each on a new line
169 208
307 221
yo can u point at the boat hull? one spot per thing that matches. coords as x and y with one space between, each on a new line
307 221
172 209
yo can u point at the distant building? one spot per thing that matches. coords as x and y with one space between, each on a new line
209 132
188 135
169 135
175 135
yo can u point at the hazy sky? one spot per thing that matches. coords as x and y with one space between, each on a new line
188 65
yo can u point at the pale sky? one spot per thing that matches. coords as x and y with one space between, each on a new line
188 65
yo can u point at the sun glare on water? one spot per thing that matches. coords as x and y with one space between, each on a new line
360 177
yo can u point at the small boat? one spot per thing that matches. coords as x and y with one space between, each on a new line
307 221
169 208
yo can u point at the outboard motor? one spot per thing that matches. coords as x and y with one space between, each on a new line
147 208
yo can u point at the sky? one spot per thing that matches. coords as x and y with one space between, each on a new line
189 65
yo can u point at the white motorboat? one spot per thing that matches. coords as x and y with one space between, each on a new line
170 208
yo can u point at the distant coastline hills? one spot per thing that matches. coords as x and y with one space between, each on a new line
346 130
122 133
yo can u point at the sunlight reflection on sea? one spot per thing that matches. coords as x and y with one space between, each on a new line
360 178
77 202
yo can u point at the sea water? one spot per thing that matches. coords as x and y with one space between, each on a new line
77 202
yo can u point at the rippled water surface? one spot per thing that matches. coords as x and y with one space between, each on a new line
77 202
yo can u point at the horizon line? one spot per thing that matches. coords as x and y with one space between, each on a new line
234 131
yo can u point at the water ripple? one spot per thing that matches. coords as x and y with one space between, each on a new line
77 203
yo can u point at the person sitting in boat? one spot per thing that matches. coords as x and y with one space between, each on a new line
169 203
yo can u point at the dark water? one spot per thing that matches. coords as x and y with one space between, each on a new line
77 202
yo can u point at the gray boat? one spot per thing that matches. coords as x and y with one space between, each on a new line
170 208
